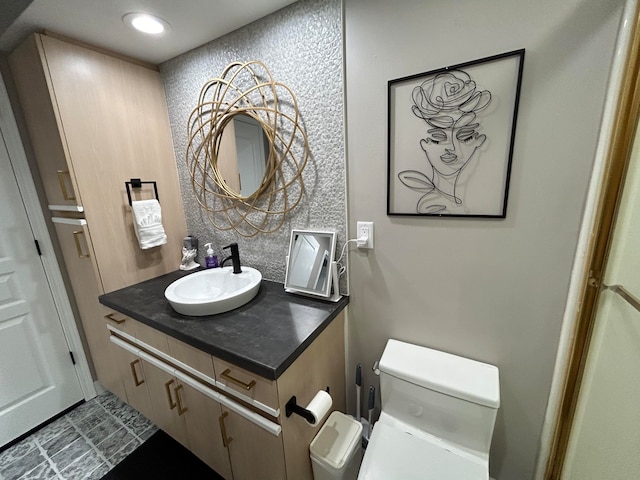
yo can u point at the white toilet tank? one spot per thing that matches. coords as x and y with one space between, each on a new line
453 398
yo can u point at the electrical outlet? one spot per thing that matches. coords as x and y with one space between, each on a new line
365 230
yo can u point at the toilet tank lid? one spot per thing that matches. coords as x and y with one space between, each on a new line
442 372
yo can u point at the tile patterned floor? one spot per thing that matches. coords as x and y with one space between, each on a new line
82 445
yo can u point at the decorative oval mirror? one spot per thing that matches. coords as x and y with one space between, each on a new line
247 150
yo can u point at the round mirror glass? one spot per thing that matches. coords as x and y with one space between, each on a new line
243 154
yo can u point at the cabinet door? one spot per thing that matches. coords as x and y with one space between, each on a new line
254 452
167 403
204 429
42 121
76 250
204 415
166 392
135 378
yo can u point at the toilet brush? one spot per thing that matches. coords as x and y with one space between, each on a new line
372 401
366 423
358 387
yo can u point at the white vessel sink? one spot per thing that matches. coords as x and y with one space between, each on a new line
213 291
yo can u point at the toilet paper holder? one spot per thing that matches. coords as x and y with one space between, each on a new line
292 407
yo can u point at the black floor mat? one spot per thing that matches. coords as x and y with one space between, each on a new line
161 458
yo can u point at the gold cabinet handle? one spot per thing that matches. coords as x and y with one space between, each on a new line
76 234
240 383
136 380
63 185
167 387
223 430
111 317
181 409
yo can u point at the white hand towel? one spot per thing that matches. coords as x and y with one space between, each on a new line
147 220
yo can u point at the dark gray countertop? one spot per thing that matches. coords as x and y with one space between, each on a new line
264 336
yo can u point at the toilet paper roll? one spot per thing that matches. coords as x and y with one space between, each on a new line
319 407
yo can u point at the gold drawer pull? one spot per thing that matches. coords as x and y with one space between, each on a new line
223 430
76 234
111 317
181 409
167 387
136 380
63 185
240 383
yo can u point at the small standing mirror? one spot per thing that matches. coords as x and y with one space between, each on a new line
311 268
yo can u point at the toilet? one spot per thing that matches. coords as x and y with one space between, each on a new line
437 419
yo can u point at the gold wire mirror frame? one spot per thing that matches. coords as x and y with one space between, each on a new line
249 89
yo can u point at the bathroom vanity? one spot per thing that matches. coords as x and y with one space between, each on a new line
219 384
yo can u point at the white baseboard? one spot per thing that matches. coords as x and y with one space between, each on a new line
99 388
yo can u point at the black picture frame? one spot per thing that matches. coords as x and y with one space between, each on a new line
451 135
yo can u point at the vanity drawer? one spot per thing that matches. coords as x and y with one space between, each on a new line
170 350
138 330
246 383
191 356
151 336
118 320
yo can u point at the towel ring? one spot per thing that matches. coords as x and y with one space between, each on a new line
137 183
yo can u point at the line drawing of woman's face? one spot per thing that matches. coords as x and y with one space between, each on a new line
448 104
448 150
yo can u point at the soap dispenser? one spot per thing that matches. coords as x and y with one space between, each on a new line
210 260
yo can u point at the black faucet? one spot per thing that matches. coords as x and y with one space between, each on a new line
234 257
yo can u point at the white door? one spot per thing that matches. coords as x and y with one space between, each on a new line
37 377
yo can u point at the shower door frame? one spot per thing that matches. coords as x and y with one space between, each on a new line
617 158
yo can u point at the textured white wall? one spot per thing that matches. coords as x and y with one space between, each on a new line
491 290
302 47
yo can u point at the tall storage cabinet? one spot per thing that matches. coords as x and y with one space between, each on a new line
95 122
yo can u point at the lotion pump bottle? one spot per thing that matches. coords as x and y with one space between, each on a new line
210 260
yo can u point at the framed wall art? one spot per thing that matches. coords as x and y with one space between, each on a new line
451 134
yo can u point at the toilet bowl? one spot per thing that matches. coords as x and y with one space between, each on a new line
437 419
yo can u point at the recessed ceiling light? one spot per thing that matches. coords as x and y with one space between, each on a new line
143 22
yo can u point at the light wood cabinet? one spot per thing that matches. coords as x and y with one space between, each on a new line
254 452
126 365
229 428
204 419
135 379
77 251
42 119
168 404
165 390
204 428
104 121
321 365
96 121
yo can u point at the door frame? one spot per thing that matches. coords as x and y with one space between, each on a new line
616 140
18 160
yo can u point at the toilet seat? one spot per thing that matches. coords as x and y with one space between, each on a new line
393 453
